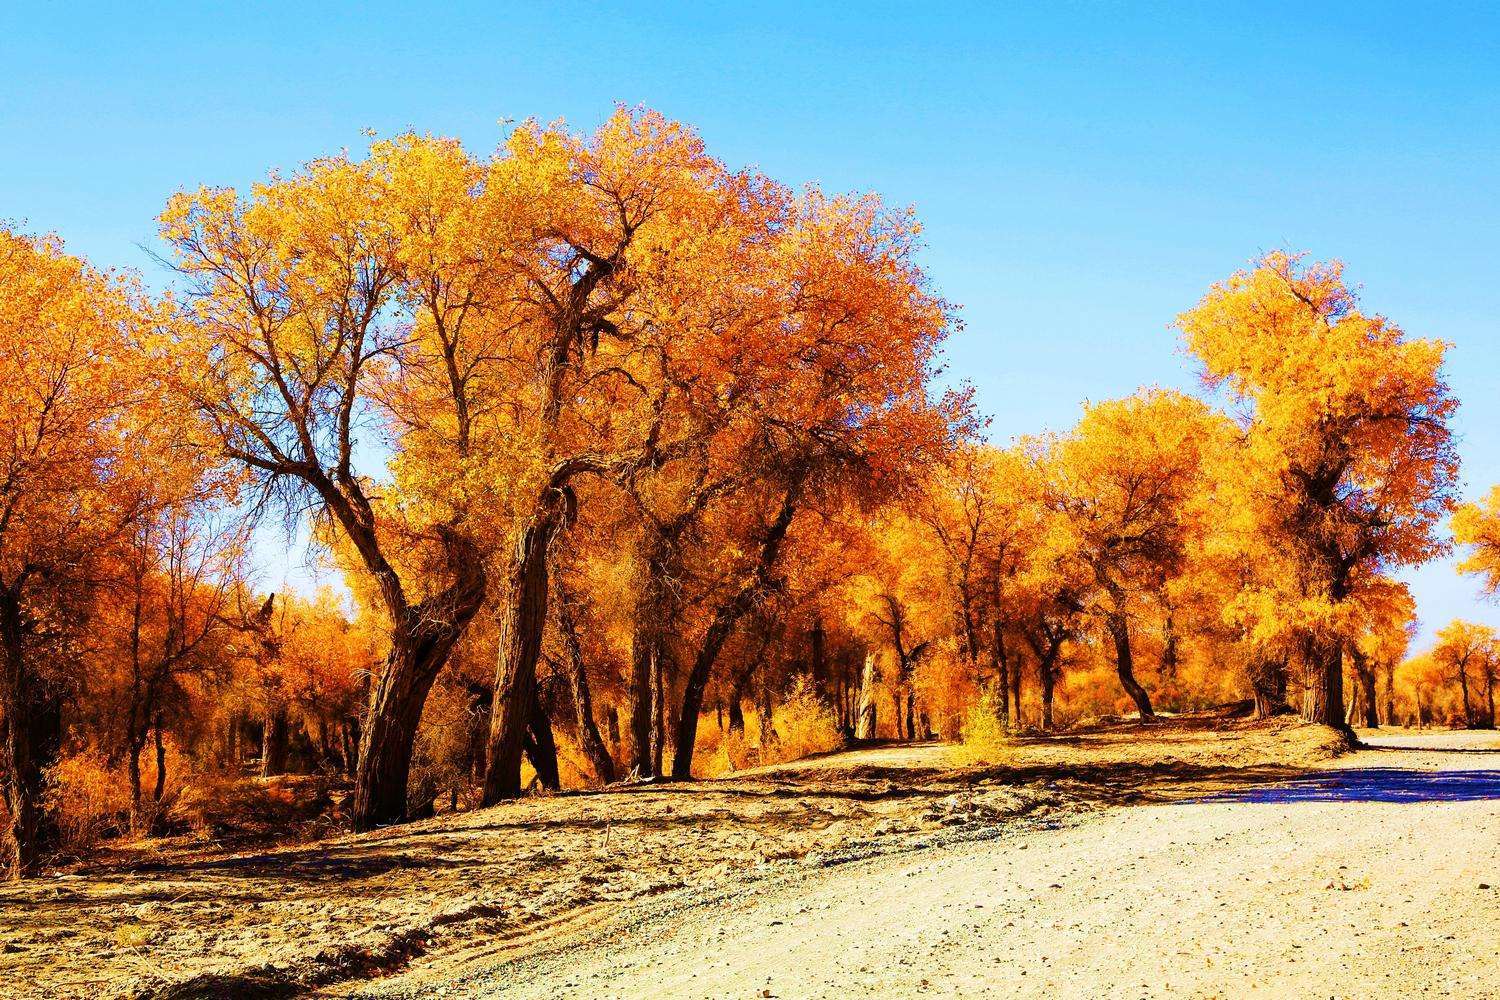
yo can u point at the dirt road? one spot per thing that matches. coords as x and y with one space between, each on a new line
1377 878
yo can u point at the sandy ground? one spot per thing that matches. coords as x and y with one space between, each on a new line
890 871
1375 878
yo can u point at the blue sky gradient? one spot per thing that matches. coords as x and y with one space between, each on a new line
1083 171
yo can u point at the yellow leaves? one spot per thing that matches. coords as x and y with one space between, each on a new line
1477 527
85 435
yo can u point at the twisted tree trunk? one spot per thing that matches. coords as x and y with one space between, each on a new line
422 639
1119 630
728 615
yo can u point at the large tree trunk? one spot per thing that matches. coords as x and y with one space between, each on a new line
583 702
1324 699
520 646
1015 694
1268 682
539 746
724 621
274 741
1119 630
421 643
1047 674
865 719
30 738
1000 661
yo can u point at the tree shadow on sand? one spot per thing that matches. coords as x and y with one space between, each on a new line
1371 784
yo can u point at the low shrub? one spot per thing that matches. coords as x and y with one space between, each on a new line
985 740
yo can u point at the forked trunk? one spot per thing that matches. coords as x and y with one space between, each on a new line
725 619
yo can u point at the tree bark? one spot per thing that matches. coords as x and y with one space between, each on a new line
644 650
1000 661
539 746
161 769
421 642
520 646
1119 630
273 741
865 719
31 738
728 615
1324 701
583 702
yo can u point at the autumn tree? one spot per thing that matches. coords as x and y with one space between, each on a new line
1466 650
609 209
165 621
1122 482
83 441
1476 526
301 297
1348 446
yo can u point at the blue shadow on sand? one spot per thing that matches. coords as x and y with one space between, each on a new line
1371 784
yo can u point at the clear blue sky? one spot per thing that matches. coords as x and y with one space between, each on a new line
1084 171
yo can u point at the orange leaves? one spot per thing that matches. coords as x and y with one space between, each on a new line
1347 407
1477 526
81 436
1347 462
